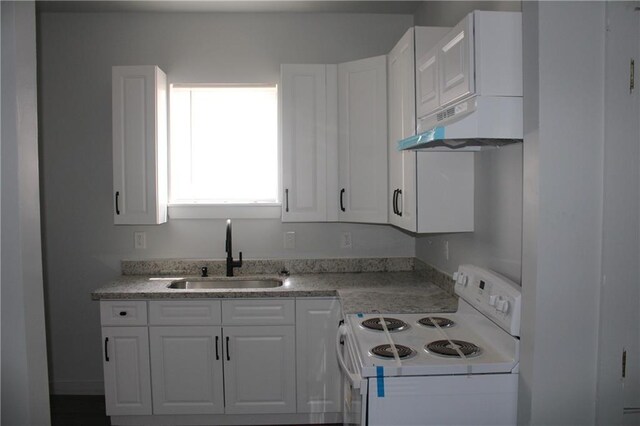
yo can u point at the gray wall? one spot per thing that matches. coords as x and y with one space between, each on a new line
449 13
82 246
496 242
25 394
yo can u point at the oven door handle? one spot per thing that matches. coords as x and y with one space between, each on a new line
354 378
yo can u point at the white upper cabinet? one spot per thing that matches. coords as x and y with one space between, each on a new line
456 63
139 145
482 55
362 140
309 142
401 124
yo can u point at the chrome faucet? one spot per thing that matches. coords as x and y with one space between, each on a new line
230 262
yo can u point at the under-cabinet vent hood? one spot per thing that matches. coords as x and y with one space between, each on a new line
476 123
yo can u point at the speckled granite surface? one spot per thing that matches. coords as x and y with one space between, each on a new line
367 292
274 266
435 276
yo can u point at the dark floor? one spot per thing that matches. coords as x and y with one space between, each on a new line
81 410
84 410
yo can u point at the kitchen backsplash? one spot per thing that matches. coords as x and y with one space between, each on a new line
272 266
435 276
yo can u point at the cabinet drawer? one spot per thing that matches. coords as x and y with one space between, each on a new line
258 312
184 312
123 312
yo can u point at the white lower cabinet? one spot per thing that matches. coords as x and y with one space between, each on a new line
127 382
318 374
186 367
272 357
259 369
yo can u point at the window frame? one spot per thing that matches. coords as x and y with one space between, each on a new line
204 210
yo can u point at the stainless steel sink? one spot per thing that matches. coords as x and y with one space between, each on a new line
213 283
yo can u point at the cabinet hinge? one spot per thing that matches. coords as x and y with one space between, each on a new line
624 363
631 76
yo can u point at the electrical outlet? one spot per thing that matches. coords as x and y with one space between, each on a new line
346 240
446 249
140 240
290 240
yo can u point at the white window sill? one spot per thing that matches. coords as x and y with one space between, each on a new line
225 211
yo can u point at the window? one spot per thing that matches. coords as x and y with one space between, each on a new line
223 147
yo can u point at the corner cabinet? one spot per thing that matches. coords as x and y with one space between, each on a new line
428 191
139 106
362 130
333 130
309 142
178 361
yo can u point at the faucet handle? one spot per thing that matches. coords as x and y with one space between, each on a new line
240 261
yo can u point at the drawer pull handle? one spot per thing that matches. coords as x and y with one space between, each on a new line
106 351
217 354
123 313
342 200
228 357
117 207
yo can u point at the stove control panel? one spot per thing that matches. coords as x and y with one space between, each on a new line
497 297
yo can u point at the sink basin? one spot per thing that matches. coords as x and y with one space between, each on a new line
212 283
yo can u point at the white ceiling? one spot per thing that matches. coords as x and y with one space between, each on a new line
332 6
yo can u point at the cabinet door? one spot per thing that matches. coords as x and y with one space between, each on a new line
186 365
139 145
362 140
456 63
402 124
125 361
259 370
427 94
307 129
318 375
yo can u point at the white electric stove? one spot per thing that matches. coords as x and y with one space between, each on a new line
434 369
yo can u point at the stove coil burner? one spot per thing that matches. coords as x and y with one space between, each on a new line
447 348
392 324
385 351
433 321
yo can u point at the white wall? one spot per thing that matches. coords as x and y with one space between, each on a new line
562 221
25 392
496 242
83 247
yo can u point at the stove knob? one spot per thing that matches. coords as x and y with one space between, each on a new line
502 306
493 299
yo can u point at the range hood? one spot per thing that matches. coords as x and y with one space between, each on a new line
473 124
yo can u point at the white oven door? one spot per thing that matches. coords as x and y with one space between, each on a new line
354 405
481 399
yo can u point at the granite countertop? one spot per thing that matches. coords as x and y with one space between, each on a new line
360 292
